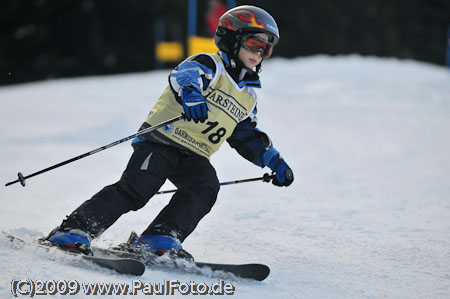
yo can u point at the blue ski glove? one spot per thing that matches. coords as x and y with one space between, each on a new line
194 105
283 173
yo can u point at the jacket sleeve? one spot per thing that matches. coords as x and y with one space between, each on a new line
251 143
195 74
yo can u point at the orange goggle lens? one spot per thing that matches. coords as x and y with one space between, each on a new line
256 44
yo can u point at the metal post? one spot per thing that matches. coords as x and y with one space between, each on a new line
231 4
192 18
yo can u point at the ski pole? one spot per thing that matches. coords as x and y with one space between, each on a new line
22 178
265 178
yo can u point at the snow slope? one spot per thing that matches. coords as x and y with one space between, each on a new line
368 215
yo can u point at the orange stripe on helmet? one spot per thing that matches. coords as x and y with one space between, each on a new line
227 24
252 20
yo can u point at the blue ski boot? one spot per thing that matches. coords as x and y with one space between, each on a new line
160 245
73 240
155 245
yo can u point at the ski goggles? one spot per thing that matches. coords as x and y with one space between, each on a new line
256 44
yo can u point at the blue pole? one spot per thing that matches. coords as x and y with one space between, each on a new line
231 4
192 17
448 46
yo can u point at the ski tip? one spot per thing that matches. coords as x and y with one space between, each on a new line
257 272
263 272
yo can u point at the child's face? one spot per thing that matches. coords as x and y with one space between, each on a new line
250 59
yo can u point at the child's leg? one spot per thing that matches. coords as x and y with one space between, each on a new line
198 186
146 172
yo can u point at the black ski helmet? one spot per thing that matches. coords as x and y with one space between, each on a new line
242 20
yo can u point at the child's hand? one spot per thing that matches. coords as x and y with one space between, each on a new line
283 174
194 105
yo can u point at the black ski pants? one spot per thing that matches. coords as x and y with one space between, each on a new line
149 167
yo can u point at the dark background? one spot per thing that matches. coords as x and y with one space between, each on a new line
41 39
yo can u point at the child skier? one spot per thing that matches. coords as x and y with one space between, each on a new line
215 94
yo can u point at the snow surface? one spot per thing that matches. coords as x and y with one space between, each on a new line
368 215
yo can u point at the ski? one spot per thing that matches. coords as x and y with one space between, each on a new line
121 265
257 272
134 263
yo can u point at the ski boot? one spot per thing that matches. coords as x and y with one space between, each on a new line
155 244
73 240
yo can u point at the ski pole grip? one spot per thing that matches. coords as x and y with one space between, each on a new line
267 177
